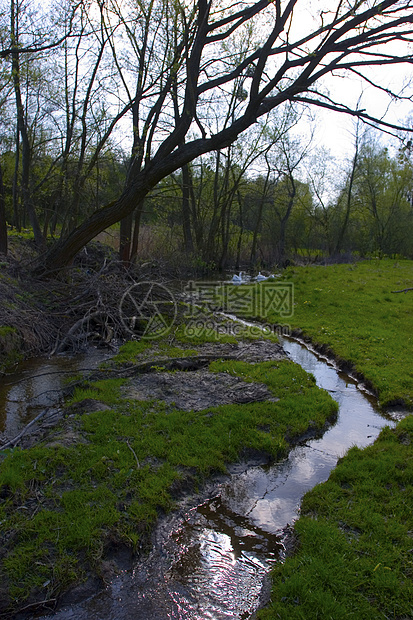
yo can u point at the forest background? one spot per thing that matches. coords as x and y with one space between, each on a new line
175 109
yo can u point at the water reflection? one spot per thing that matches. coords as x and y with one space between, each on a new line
224 561
37 384
210 562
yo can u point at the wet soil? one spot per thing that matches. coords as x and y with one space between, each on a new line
190 386
211 558
195 391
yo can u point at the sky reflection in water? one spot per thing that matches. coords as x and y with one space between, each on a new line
212 562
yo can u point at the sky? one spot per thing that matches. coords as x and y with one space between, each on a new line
336 130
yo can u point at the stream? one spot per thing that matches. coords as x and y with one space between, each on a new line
37 384
211 559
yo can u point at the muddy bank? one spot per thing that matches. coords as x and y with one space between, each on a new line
183 382
211 557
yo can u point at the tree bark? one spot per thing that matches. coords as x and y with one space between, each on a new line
3 224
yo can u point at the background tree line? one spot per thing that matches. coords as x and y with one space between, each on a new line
109 114
308 207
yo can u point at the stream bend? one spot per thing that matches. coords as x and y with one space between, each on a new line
210 561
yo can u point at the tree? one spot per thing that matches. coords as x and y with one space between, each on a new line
288 155
381 193
22 124
3 226
347 194
284 66
27 35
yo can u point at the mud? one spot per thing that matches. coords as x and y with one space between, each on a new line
38 388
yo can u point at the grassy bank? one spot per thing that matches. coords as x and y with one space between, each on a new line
354 557
354 311
353 554
100 481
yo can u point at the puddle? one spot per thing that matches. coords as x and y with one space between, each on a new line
210 561
37 384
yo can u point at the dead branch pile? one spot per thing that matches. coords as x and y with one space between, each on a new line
79 308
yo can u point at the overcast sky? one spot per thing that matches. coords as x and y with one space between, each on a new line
334 129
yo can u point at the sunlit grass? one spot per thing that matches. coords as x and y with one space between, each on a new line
353 310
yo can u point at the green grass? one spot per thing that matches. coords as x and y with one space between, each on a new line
352 310
354 535
135 350
63 501
355 539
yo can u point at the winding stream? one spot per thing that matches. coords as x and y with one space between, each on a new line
210 560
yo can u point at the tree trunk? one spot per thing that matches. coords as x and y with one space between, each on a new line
125 238
15 186
241 231
349 196
186 209
136 229
253 256
3 224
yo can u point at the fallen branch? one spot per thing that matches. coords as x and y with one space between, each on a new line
193 362
76 327
12 442
404 290
133 452
46 603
